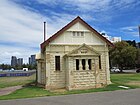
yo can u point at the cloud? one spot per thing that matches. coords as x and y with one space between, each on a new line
80 5
130 30
101 10
21 52
22 25
22 30
19 25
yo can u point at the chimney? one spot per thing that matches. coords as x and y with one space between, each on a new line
44 31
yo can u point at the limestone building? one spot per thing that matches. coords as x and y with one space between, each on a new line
76 57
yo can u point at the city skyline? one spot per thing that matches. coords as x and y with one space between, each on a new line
20 61
21 21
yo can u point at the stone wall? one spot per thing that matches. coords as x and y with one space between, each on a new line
56 78
67 77
41 72
84 79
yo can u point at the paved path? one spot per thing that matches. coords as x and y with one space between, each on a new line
121 97
8 90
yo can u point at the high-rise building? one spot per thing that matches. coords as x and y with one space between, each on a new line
20 61
29 60
111 39
106 36
13 61
116 39
32 60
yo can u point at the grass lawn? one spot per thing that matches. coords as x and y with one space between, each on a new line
131 80
14 81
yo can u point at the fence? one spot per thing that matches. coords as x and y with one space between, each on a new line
15 74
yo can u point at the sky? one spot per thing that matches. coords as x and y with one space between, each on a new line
21 22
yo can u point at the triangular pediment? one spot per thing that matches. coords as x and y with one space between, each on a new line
83 50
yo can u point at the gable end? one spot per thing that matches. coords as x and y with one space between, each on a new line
78 19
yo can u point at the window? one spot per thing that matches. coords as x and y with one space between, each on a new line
89 64
57 63
77 64
78 34
74 33
83 64
82 33
100 62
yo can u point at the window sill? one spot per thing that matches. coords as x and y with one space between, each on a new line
57 70
83 71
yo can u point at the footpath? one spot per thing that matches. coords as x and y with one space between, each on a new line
8 90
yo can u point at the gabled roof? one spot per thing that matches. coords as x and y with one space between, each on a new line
77 19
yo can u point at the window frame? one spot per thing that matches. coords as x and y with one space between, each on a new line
78 34
100 65
77 64
57 63
89 64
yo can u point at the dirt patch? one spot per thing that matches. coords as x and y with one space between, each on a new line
8 90
134 83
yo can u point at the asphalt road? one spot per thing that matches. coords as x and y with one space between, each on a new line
130 71
121 97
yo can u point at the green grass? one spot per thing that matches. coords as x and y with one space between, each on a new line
117 80
110 87
27 92
14 81
131 80
32 91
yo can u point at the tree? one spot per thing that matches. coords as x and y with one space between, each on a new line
5 66
133 43
138 58
123 55
31 67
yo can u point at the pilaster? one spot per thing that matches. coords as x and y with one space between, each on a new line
80 64
87 66
107 68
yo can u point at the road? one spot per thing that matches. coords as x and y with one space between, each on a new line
120 97
130 71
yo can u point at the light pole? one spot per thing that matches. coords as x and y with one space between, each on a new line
139 30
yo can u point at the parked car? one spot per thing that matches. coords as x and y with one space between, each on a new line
12 69
115 69
138 71
25 69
